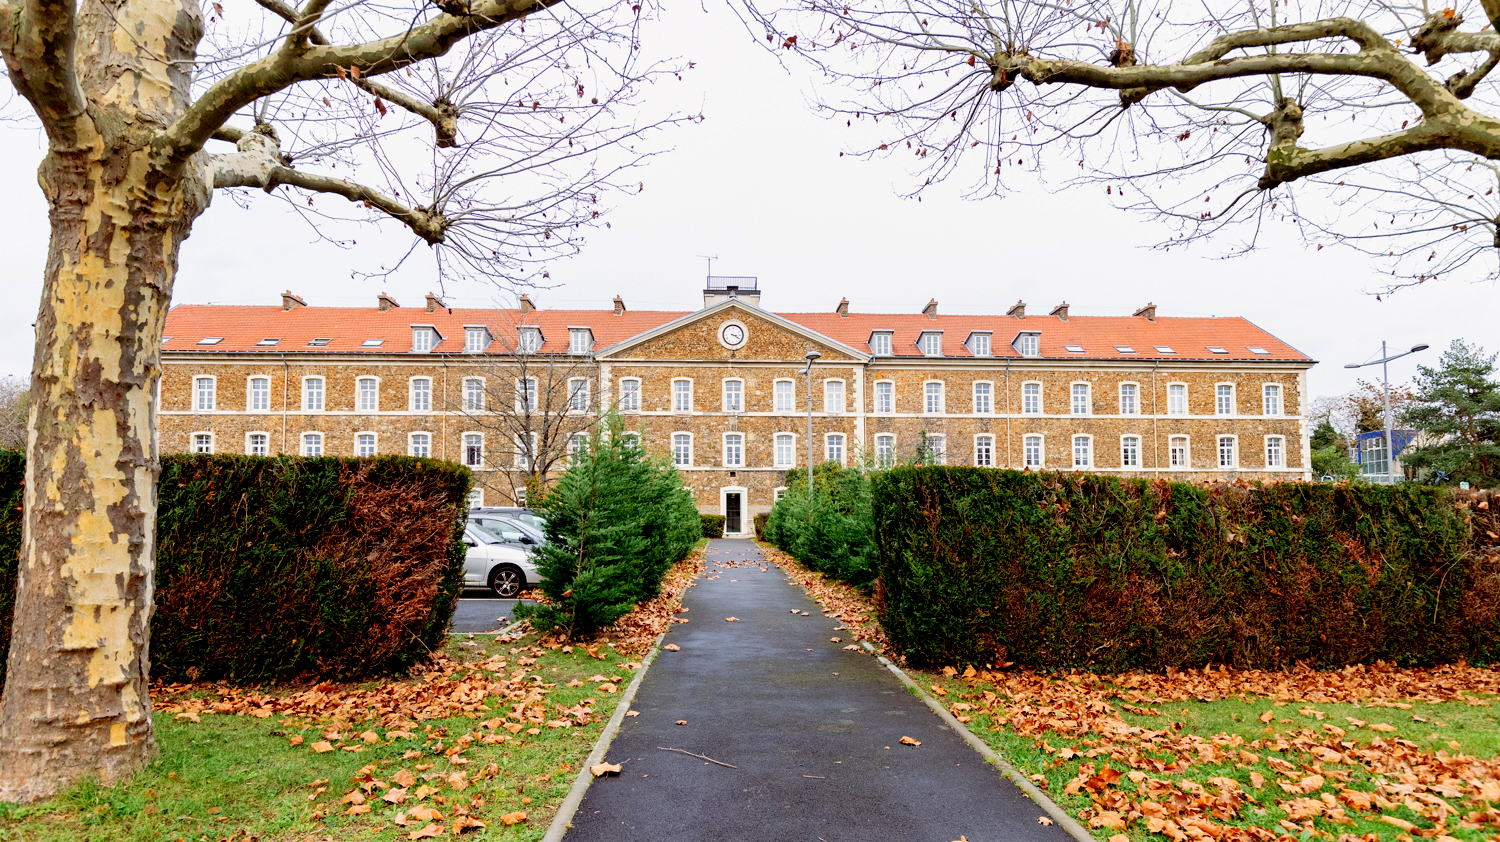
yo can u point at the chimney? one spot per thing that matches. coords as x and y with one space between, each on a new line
386 302
434 303
1060 311
842 309
619 306
930 311
526 305
1148 312
1019 311
291 302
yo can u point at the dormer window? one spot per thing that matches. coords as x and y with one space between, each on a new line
1258 350
423 338
1073 349
580 340
372 343
320 343
529 340
880 343
931 343
979 343
1215 349
210 340
1030 344
476 339
1124 349
268 342
1164 349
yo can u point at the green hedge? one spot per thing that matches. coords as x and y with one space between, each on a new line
1077 570
273 567
713 525
760 524
837 536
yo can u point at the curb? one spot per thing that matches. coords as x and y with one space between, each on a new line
564 818
1058 814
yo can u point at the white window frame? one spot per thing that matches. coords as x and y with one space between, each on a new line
359 394
304 444
212 392
1234 402
1187 452
208 437
525 445
374 442
1266 391
1028 344
778 492
250 447
930 343
473 399
250 393
322 393
1175 407
927 396
672 439
843 447
790 393
984 440
940 453
1135 398
630 398
791 454
1124 453
529 340
1234 450
580 348
1041 451
1088 397
989 398
1026 407
580 394
737 405
463 448
577 444
1088 451
890 408
885 460
981 344
631 439
882 343
411 394
831 407
476 339
725 454
676 405
424 338
1280 443
411 447
528 395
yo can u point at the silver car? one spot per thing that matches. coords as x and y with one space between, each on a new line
493 563
508 530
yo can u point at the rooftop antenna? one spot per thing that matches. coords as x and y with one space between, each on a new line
710 258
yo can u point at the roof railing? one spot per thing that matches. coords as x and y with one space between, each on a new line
727 281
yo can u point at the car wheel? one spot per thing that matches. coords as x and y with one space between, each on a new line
507 581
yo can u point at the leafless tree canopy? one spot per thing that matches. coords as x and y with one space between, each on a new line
1367 124
14 392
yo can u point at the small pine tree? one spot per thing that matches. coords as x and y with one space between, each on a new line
1458 411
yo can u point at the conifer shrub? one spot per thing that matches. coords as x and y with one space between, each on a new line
836 536
285 566
761 519
1077 570
617 520
713 525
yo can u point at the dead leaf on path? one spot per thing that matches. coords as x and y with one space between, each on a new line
425 833
602 769
908 741
513 818
1043 820
632 713
805 614
463 823
682 722
731 619
853 647
836 639
672 647
794 611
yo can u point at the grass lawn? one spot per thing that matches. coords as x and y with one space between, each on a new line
496 730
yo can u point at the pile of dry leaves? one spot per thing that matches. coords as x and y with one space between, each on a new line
634 633
838 599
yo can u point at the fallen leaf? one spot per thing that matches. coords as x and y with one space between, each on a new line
836 639
404 778
370 737
682 722
602 769
632 713
425 833
513 818
672 647
357 809
1381 727
908 741
296 740
322 746
1267 716
394 796
1044 821
731 619
463 823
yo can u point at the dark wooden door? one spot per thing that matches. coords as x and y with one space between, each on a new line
732 513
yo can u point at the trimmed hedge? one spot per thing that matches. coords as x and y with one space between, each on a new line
713 525
1077 570
837 536
275 567
760 524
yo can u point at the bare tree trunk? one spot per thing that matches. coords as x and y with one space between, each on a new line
75 701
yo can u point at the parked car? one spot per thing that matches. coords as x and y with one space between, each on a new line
526 516
509 531
490 562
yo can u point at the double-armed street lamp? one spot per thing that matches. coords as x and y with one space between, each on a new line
811 355
1385 379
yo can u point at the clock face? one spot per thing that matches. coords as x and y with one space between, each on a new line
733 335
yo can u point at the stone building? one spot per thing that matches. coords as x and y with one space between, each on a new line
723 390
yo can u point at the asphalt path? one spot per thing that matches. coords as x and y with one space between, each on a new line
813 731
477 613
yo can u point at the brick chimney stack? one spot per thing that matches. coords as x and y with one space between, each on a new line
1019 311
434 303
930 311
843 309
1060 311
526 305
291 302
1148 312
619 306
386 302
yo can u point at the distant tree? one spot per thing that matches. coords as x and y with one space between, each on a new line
1457 409
1334 462
15 400
1324 436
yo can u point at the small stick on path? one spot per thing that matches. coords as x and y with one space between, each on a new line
699 756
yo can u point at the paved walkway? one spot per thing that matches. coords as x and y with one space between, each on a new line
806 723
481 613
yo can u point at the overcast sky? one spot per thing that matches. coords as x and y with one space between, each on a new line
760 185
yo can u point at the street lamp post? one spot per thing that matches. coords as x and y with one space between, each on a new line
1385 380
811 355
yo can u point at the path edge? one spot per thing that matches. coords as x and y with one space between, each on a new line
1011 773
564 818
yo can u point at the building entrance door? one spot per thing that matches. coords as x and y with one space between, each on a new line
732 513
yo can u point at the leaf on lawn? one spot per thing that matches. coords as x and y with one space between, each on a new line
1108 818
513 818
1119 837
322 746
1267 716
464 823
1381 727
188 715
357 809
426 814
403 778
608 688
602 769
1396 822
908 741
354 797
370 737
394 796
296 740
427 832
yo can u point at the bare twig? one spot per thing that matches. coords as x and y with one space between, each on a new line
699 756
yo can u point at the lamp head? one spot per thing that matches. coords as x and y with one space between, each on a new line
813 355
1352 365
1416 348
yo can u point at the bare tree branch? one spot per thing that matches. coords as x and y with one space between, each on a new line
38 40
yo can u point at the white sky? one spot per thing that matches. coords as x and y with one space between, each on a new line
760 184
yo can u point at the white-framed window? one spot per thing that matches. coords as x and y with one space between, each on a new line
1275 452
931 344
1224 399
578 444
880 343
1177 399
1177 452
312 444
979 344
528 340
885 396
834 447
734 450
734 395
364 444
526 395
580 340
630 394
885 450
475 498
937 448
259 395
632 441
786 450
833 396
257 444
367 394
204 389
1031 455
1029 344
682 395
1082 403
1227 456
473 453
312 394
1083 451
578 394
1130 399
984 451
203 442
682 450
785 392
423 339
779 492
1130 451
1270 399
476 340
1031 398
984 398
473 394
525 447
419 444
421 395
932 397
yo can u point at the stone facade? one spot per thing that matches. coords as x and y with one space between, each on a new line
1149 417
